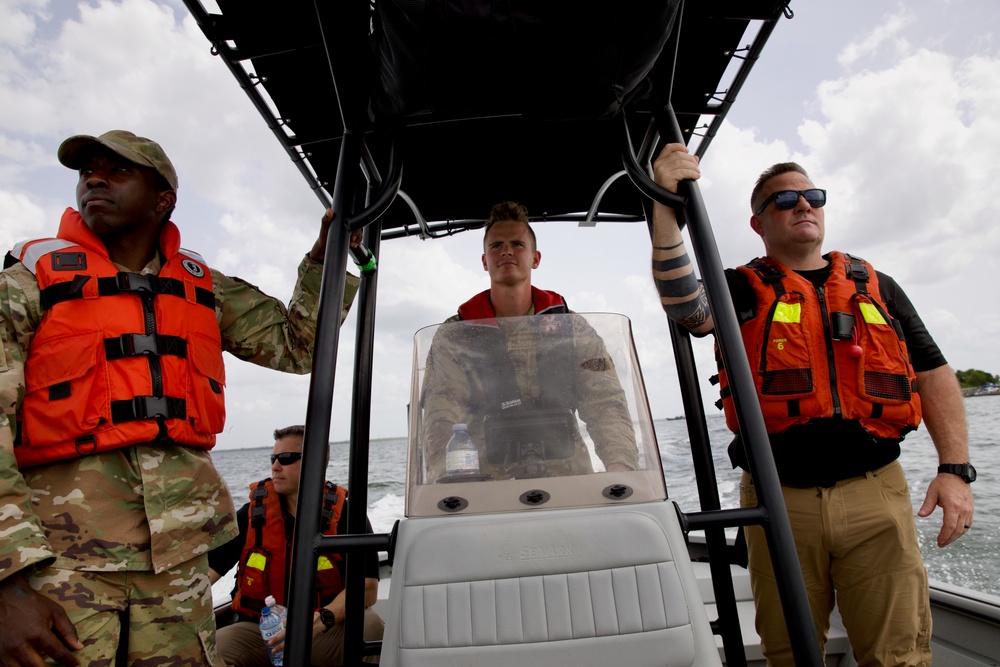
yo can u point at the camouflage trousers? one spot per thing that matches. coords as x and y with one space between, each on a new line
170 617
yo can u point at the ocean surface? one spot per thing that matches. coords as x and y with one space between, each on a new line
971 562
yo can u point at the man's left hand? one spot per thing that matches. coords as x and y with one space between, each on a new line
953 495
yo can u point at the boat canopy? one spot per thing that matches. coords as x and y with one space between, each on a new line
494 101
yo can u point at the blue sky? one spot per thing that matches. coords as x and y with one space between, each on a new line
891 106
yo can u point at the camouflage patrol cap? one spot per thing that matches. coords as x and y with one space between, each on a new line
138 150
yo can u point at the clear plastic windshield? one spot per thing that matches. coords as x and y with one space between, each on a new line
521 412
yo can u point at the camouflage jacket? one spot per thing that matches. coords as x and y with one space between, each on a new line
456 380
144 507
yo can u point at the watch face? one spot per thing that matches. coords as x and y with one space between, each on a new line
327 617
970 473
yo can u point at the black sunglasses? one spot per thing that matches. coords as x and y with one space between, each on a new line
286 458
786 199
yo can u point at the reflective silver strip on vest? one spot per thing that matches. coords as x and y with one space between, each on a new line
193 255
35 250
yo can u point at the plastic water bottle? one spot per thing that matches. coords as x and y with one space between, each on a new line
276 608
271 623
461 453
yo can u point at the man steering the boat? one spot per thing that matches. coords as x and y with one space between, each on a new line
520 355
111 385
263 551
839 352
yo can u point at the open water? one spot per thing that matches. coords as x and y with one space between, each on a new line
971 562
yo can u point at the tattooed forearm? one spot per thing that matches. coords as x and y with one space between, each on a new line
690 313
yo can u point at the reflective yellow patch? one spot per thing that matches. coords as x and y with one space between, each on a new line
870 314
257 561
323 563
788 312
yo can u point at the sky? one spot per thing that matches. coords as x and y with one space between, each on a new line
890 106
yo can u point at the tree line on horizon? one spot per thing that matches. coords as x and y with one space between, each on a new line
974 377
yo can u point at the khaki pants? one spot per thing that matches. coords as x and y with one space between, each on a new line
170 615
857 541
241 645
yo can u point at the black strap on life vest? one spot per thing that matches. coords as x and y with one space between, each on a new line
258 512
769 274
124 282
135 345
330 499
857 271
148 407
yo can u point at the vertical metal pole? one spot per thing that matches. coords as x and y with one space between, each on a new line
316 444
354 646
781 544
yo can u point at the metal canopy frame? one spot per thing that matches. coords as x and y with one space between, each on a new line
304 65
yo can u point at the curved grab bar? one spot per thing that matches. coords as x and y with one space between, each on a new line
642 180
390 187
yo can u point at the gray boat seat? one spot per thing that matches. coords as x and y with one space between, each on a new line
602 585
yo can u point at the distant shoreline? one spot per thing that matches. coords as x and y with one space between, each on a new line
968 392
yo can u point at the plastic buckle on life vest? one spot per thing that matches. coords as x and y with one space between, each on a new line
158 407
149 407
142 344
257 513
856 269
134 282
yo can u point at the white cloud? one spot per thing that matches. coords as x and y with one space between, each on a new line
887 32
23 219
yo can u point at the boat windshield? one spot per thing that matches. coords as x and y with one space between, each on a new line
553 405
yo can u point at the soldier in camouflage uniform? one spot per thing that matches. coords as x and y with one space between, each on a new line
121 536
462 365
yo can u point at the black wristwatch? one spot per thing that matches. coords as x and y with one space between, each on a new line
328 618
963 470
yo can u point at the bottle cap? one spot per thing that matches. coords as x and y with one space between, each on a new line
459 427
269 601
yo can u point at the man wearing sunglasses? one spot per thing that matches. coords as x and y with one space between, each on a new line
263 553
831 342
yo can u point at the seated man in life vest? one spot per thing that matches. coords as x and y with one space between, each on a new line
263 553
505 369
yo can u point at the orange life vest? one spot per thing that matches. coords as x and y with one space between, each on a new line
118 358
803 371
263 567
480 307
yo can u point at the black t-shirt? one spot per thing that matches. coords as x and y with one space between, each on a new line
223 558
825 451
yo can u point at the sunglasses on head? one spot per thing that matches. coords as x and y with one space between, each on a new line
786 199
286 458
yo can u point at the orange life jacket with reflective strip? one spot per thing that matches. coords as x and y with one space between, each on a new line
804 371
118 358
263 564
